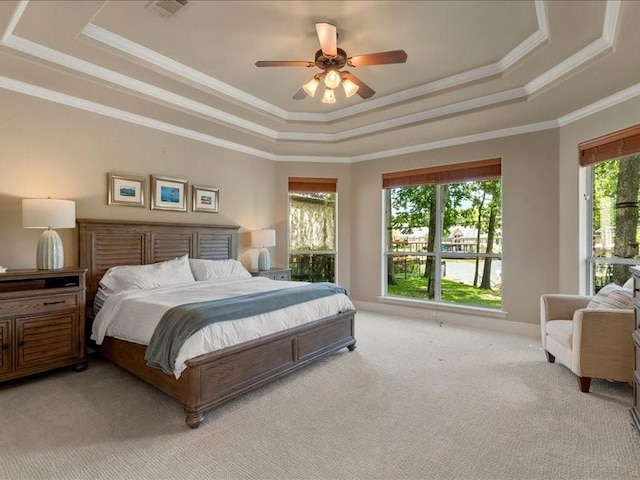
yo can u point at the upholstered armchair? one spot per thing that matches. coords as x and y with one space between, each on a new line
592 342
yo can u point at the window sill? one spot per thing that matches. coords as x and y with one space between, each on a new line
445 307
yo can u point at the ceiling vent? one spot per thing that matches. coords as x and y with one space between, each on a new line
168 8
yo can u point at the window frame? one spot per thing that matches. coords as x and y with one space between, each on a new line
609 147
441 175
313 185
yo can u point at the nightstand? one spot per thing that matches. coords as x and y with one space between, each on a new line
274 273
41 321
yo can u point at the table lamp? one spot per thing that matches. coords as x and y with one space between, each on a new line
263 239
49 213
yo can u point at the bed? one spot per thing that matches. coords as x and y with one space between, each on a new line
211 378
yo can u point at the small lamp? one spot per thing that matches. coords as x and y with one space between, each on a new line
49 213
263 239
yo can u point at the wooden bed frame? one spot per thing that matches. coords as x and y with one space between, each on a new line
216 377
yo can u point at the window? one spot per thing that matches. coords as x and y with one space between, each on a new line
443 240
312 229
613 185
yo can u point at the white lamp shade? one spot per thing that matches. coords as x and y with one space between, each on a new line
48 213
263 238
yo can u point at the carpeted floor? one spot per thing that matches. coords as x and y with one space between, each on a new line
415 400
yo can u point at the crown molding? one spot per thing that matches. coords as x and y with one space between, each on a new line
602 104
165 96
450 142
163 62
147 55
611 21
86 105
62 59
118 114
596 48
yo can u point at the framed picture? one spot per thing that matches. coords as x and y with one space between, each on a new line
205 199
124 189
168 193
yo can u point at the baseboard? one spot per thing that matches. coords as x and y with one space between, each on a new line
467 320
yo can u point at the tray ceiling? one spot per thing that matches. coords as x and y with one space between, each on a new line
474 69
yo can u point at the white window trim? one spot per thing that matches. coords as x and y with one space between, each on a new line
386 298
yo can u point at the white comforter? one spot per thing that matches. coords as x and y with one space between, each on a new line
133 315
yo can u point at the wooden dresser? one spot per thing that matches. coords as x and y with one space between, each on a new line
41 321
635 410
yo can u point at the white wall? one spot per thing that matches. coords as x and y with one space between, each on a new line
572 205
530 216
49 150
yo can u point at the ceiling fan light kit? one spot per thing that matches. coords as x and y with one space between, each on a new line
330 59
311 86
349 87
329 96
332 78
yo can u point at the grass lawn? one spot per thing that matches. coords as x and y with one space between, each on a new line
453 292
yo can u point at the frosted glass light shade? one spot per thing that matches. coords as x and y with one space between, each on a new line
332 79
311 86
49 213
329 96
349 87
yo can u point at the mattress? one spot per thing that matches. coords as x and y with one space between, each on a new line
133 315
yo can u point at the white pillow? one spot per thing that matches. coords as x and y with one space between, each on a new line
144 277
216 269
612 296
628 284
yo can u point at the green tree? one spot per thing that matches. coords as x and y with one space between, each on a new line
626 213
481 210
415 207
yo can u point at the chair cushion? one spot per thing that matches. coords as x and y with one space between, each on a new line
612 296
561 331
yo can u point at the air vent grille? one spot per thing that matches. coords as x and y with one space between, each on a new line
168 8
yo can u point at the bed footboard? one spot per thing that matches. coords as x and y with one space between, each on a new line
217 377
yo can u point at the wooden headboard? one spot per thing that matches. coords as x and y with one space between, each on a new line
106 243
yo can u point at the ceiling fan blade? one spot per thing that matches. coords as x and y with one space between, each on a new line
300 95
381 58
328 37
365 91
284 63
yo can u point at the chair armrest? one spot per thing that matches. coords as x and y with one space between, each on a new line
602 343
558 306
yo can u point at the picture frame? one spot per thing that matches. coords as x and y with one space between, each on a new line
126 190
205 199
169 193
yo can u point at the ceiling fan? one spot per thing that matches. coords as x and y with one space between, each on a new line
330 59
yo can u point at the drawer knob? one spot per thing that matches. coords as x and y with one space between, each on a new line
54 303
21 343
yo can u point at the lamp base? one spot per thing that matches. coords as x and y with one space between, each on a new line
50 255
264 260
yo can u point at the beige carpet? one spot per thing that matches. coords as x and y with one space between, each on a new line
415 400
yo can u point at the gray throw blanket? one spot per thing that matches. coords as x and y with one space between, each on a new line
179 323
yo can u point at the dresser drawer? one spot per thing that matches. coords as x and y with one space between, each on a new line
29 305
